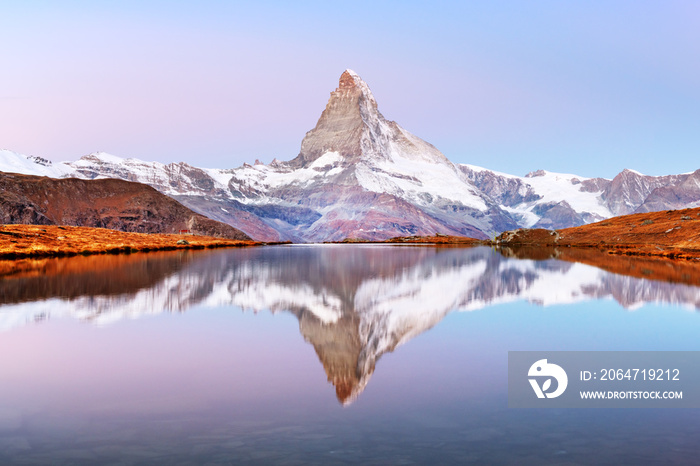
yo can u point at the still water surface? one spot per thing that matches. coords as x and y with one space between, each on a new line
323 354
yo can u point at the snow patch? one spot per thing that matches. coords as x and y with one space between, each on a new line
12 162
329 158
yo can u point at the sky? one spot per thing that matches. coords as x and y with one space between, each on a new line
588 88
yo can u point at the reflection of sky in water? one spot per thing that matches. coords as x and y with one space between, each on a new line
213 383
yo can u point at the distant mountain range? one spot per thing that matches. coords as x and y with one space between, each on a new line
359 175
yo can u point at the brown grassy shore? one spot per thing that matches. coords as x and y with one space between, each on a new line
19 241
673 234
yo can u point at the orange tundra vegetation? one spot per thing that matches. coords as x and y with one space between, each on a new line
17 241
672 234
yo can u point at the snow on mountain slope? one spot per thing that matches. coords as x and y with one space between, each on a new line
557 187
423 183
541 199
171 179
540 192
12 162
555 200
254 182
248 195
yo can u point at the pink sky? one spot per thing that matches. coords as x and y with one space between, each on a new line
515 87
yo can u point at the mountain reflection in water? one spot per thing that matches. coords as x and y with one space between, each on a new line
353 302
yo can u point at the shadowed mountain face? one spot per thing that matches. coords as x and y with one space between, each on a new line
353 303
108 203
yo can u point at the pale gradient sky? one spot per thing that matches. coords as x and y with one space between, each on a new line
587 88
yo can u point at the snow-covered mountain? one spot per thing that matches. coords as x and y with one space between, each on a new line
380 298
199 189
360 175
543 199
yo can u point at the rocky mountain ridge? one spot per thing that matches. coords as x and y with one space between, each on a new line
104 203
359 175
544 199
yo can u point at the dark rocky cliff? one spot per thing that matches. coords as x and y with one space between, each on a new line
105 203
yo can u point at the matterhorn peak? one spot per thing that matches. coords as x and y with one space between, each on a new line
352 128
343 122
351 80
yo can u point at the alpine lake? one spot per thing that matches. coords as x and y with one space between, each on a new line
328 354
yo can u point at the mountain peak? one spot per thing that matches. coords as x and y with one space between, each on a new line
629 171
352 127
348 79
352 81
342 123
102 157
